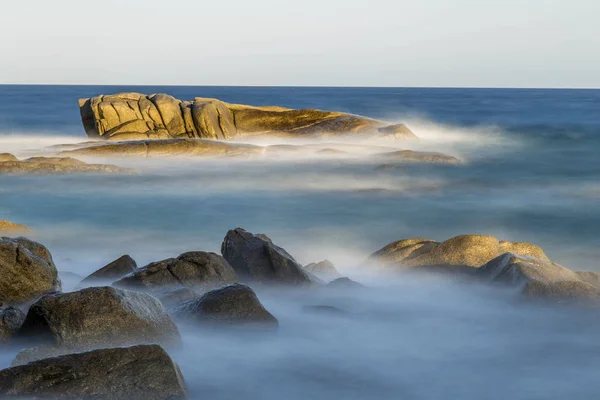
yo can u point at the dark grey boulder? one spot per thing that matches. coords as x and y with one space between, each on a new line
99 317
197 268
143 372
257 258
27 271
11 319
234 304
111 272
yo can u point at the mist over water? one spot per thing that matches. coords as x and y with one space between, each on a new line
530 173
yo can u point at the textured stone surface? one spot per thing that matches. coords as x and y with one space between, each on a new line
26 269
562 292
257 258
141 372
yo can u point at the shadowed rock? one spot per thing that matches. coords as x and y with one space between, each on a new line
323 269
562 292
196 268
343 283
141 372
99 317
11 319
56 165
26 270
117 269
234 304
134 116
322 309
257 258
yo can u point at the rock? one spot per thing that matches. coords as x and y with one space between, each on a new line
234 304
141 372
109 273
176 296
168 148
99 317
57 165
27 271
323 269
562 292
591 277
324 309
7 157
464 250
517 270
10 227
192 269
160 116
11 319
257 258
421 157
343 283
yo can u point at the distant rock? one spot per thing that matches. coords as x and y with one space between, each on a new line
257 258
8 227
135 116
27 271
11 319
234 304
323 269
55 165
111 272
322 309
343 283
192 269
99 317
412 157
141 372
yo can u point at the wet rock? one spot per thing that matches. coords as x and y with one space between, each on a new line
234 304
344 283
57 165
463 250
99 317
8 227
141 372
562 292
26 270
257 258
109 273
398 131
192 269
11 319
412 157
323 269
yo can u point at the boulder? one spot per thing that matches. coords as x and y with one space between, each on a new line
323 269
192 269
99 317
57 165
257 258
143 372
122 266
27 271
234 304
561 292
343 283
11 319
8 227
462 251
420 157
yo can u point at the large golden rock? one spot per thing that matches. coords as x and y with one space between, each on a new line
133 116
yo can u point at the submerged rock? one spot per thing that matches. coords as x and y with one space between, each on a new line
323 309
411 156
8 227
11 319
99 317
323 269
117 269
141 372
135 116
257 258
27 271
234 304
196 268
56 165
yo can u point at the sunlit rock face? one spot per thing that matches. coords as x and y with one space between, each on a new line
135 116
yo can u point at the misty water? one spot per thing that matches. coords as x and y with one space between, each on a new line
531 173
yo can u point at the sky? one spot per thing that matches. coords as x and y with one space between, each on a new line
449 43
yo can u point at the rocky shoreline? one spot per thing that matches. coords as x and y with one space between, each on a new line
111 336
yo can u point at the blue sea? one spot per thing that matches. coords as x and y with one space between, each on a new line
531 173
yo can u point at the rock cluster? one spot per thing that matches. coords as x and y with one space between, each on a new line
135 116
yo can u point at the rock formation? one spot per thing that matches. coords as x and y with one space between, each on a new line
135 116
143 372
53 165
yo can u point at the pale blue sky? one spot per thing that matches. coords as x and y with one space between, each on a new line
489 43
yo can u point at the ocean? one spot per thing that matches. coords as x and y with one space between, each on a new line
531 173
